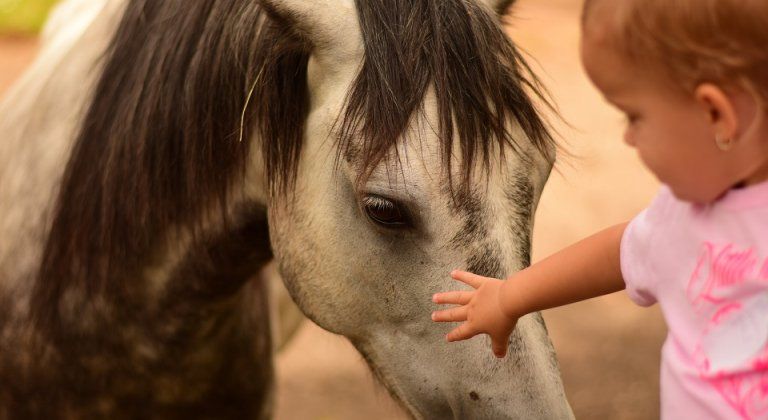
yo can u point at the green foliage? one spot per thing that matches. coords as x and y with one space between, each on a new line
23 16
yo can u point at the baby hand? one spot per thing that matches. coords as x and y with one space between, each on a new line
479 310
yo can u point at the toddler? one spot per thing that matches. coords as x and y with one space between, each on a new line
691 76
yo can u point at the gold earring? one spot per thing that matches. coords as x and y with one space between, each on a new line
723 143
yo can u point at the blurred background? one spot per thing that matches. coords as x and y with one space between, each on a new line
23 16
609 349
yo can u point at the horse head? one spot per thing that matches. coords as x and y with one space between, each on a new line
422 153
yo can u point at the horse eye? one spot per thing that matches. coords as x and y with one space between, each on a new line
385 212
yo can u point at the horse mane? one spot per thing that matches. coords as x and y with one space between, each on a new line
165 137
161 143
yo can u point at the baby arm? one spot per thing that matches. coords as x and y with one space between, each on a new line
584 270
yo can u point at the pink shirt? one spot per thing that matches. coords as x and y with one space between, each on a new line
707 267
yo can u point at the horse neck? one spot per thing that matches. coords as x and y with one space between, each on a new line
188 270
186 310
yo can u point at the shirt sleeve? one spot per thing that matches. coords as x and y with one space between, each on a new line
636 250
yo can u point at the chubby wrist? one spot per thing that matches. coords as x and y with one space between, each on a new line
512 298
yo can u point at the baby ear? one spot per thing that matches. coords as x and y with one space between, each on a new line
329 25
722 113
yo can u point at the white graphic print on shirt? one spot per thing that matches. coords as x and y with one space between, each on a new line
729 290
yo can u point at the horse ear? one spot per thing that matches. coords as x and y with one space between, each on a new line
326 24
499 6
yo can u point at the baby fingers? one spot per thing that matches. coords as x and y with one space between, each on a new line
468 278
499 347
450 315
456 298
462 332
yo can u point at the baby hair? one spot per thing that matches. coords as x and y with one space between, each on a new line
690 41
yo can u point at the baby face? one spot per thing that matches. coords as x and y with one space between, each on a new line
670 130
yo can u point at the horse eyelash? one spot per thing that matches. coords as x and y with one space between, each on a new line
378 202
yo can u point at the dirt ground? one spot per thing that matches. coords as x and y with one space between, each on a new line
608 348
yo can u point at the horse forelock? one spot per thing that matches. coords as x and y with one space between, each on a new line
166 137
459 51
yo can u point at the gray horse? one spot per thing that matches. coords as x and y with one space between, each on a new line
160 152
